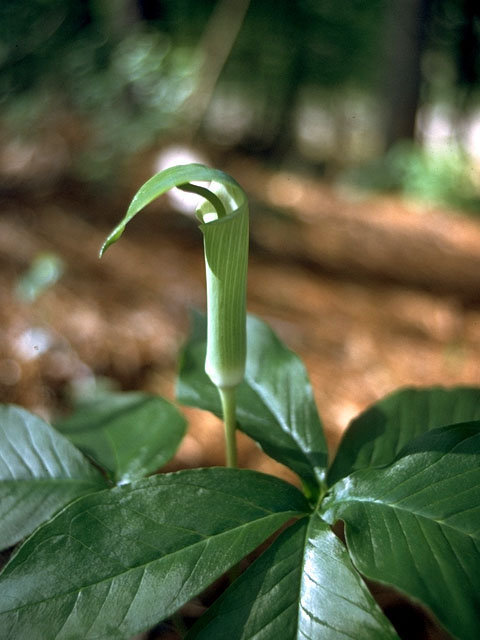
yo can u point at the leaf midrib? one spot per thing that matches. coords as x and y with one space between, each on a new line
284 426
205 541
301 607
394 507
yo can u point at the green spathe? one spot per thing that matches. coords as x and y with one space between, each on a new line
225 232
226 254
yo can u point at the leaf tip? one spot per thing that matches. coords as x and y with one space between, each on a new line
111 239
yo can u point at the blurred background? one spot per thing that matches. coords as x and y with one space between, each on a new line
381 93
353 126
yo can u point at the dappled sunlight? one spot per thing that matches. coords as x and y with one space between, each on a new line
174 155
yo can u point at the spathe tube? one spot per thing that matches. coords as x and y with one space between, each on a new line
224 224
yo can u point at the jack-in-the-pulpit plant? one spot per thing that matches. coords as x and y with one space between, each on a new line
107 547
224 222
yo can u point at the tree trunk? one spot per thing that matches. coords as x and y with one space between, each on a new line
405 30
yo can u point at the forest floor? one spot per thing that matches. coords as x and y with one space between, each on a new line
373 293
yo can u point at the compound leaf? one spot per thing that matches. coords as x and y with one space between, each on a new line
116 562
40 472
129 434
378 434
415 524
303 587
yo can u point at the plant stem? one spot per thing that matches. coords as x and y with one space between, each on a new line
227 396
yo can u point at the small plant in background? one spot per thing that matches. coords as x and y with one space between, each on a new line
113 550
45 270
439 178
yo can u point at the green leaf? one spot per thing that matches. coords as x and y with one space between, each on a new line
303 586
117 562
416 524
377 435
275 404
129 434
40 472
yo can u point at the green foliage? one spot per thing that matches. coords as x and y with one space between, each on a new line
275 404
102 429
378 435
94 42
120 75
118 85
46 269
120 560
303 586
442 178
40 472
416 523
106 561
